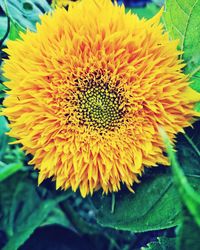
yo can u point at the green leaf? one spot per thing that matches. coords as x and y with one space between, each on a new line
10 160
57 216
8 170
190 197
3 26
25 13
77 221
163 243
189 230
2 87
15 30
33 222
188 150
197 107
182 21
3 136
195 79
27 6
23 208
149 11
188 233
151 207
159 2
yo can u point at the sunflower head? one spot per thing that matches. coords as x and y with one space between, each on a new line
87 98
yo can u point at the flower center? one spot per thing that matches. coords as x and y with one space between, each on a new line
100 107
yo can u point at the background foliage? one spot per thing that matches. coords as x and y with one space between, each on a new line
164 212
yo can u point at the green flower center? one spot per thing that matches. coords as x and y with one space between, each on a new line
100 107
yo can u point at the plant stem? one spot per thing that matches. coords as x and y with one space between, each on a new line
75 219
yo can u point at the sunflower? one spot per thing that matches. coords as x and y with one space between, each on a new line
87 98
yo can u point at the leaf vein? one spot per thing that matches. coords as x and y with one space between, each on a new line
181 8
177 30
187 24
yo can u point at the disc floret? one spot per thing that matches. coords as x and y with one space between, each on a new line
100 106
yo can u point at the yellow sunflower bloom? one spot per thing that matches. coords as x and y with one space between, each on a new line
88 92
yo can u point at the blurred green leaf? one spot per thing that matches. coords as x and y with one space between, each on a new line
57 216
55 237
77 221
3 26
190 197
195 80
25 13
188 156
149 11
23 209
197 107
2 87
3 137
159 2
182 22
163 243
2 90
15 30
188 233
10 160
188 150
8 170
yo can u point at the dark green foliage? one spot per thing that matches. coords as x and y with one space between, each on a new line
188 233
56 237
20 215
163 243
137 212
